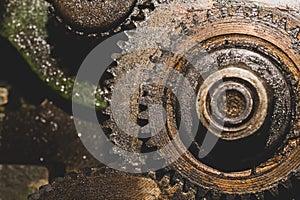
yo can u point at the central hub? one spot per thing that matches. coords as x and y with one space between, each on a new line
232 103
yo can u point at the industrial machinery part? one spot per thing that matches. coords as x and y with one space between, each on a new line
98 17
251 103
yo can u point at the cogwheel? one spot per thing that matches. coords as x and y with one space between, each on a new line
110 184
97 17
99 183
255 92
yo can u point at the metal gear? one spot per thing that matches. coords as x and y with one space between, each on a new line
100 18
241 39
260 75
100 183
107 183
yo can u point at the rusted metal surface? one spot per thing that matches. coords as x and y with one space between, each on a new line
247 36
94 14
99 18
257 50
100 183
232 103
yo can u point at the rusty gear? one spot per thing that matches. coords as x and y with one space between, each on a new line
94 18
240 39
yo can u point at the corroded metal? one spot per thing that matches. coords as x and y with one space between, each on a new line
93 14
100 18
225 106
238 37
105 184
243 35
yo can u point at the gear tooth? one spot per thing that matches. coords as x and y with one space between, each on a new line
35 196
114 71
106 124
106 93
108 82
287 184
116 56
138 23
71 175
152 175
107 98
151 143
296 174
135 11
111 70
156 3
45 188
165 181
260 196
130 33
143 115
87 171
122 44
107 111
106 90
274 191
145 101
176 177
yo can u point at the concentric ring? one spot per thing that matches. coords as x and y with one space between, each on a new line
225 131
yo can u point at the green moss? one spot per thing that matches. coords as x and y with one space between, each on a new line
23 23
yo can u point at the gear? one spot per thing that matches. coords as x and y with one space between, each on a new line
97 17
255 89
241 40
106 183
111 184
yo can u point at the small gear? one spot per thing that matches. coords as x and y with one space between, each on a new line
97 17
106 183
99 183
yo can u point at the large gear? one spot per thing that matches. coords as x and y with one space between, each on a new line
240 39
259 74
